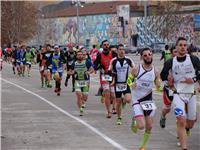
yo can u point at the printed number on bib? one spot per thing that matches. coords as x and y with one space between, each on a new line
106 78
148 105
81 83
121 87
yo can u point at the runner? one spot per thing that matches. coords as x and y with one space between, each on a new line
166 54
102 62
119 68
29 56
93 53
143 106
185 71
41 60
48 65
70 55
22 59
57 68
167 96
9 53
81 69
1 59
14 57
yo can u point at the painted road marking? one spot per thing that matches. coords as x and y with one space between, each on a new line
109 140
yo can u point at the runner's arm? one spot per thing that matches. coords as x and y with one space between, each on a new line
166 68
157 79
97 62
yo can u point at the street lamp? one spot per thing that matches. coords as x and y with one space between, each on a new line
145 21
78 4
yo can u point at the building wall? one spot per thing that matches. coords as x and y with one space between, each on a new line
95 28
92 30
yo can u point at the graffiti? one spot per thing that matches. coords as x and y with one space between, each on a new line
93 29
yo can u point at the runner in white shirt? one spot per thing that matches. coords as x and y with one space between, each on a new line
143 106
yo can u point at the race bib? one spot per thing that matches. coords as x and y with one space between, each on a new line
106 78
60 70
148 105
121 87
70 63
28 62
81 83
1 59
185 88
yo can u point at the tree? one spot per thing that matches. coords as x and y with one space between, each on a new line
18 21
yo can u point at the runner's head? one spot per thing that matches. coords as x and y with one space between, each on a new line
48 47
173 51
181 46
146 55
113 48
28 48
70 47
79 55
121 51
57 49
23 47
83 49
105 45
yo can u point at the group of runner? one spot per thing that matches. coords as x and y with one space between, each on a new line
122 81
21 58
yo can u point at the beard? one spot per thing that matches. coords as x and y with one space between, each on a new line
148 62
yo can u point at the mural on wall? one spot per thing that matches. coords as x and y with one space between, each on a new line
158 31
92 30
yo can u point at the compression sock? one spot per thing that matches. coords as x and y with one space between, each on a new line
145 138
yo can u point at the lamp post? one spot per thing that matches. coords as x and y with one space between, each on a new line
145 22
78 4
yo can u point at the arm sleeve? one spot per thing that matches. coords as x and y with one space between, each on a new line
163 55
62 55
97 62
88 64
165 71
196 63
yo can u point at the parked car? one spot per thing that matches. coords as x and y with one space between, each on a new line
157 47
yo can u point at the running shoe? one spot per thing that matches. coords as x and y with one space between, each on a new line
81 111
109 115
119 121
162 122
83 105
188 132
114 111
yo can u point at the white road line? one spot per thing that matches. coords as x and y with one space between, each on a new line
109 140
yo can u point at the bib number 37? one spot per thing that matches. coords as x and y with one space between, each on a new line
148 105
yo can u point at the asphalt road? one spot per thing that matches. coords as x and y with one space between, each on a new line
34 118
